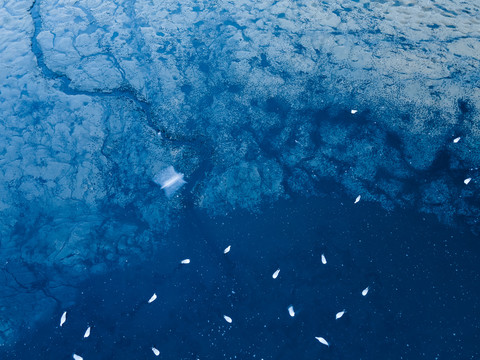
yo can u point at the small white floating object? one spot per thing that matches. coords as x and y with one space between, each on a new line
353 111
291 312
275 274
467 180
87 333
365 291
358 199
77 357
63 318
227 319
339 314
324 259
322 340
155 351
227 249
153 298
456 140
186 261
169 180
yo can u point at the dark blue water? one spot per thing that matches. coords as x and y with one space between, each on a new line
423 301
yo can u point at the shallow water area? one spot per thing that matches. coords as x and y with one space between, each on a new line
422 302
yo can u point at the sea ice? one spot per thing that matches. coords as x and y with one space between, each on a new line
87 333
322 340
63 318
275 274
169 180
153 298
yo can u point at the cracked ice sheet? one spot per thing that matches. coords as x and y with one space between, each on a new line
252 95
58 149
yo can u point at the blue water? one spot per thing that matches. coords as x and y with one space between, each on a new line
423 299
136 134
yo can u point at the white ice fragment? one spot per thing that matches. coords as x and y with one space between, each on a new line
227 319
63 318
227 249
153 298
322 340
365 291
186 261
324 259
169 180
358 199
77 357
87 333
339 314
457 139
155 351
291 312
353 111
275 274
467 180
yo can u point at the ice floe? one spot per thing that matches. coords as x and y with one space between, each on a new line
275 274
63 318
87 333
322 340
153 298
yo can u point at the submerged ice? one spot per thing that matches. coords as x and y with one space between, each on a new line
252 101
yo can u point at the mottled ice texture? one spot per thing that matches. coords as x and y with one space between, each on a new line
250 99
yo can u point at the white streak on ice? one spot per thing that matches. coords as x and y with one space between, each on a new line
169 180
